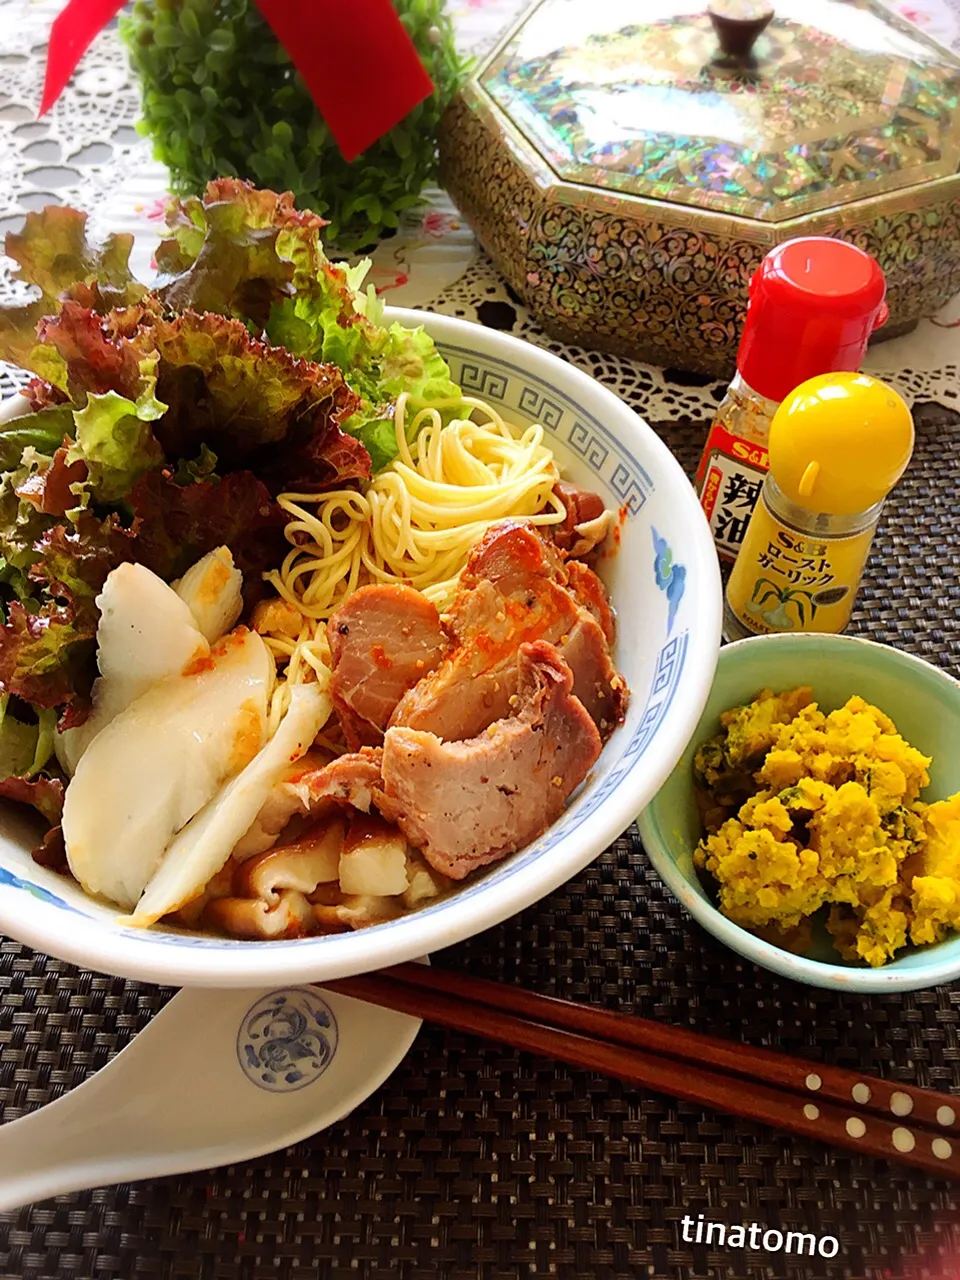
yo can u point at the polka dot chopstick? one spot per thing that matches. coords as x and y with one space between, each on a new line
863 1113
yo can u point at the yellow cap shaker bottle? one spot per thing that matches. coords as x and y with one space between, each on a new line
838 445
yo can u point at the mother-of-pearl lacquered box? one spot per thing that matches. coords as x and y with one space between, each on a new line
627 175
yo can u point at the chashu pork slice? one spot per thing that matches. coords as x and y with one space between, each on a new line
383 640
596 681
510 554
589 591
466 804
352 780
515 589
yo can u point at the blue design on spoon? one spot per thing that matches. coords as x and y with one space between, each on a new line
287 1040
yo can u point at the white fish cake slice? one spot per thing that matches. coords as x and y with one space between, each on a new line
205 844
159 761
211 590
146 634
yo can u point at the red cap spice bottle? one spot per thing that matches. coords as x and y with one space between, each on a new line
814 302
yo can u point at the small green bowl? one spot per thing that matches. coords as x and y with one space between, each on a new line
923 702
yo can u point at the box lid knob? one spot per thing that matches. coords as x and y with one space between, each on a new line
738 23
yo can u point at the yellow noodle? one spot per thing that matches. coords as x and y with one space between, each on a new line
414 522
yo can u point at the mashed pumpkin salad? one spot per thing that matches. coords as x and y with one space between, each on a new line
806 812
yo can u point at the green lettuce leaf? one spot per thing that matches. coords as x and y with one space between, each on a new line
115 441
47 648
377 435
237 250
18 743
43 431
195 382
249 254
225 389
412 363
24 748
101 353
22 522
202 467
46 656
379 364
20 346
53 253
55 256
57 486
114 380
74 559
409 362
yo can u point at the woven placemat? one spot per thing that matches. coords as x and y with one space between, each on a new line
475 1161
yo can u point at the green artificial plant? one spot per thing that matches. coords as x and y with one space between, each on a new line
221 98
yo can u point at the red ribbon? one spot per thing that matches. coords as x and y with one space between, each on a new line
359 64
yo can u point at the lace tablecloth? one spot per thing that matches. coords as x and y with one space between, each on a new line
87 153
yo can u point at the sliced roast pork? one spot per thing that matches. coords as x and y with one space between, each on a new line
586 523
590 592
350 780
509 554
465 804
596 681
516 589
383 640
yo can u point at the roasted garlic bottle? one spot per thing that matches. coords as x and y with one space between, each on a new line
814 302
838 445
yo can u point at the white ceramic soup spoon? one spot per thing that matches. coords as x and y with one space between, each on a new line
217 1077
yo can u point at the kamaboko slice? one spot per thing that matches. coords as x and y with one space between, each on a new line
211 589
205 844
159 762
146 634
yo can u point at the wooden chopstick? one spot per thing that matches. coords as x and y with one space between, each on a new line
868 1094
757 1084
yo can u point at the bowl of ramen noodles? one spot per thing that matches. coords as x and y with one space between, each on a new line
333 633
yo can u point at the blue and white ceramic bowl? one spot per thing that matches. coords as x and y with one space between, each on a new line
665 586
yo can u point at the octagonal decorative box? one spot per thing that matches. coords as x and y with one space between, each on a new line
627 175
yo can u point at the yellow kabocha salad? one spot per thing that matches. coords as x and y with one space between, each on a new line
805 811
